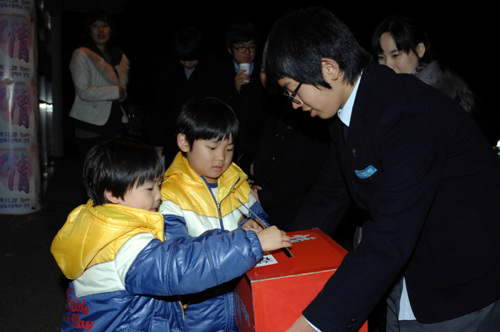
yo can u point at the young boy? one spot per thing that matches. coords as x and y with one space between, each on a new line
124 274
204 190
415 163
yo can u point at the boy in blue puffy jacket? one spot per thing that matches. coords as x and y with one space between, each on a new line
124 275
203 190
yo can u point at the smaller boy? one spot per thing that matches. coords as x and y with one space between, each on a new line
124 275
204 190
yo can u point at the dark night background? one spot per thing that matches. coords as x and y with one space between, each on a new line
463 37
32 287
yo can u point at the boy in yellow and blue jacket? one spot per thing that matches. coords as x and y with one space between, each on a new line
124 274
203 190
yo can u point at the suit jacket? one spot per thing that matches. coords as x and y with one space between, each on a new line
419 165
96 85
248 104
171 91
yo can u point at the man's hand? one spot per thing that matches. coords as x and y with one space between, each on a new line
241 79
301 325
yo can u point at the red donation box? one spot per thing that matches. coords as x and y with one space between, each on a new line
272 295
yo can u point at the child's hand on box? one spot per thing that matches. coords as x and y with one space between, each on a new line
272 238
252 225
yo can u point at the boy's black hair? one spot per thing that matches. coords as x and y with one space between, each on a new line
207 118
117 165
300 40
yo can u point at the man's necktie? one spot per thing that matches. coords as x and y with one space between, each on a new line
345 129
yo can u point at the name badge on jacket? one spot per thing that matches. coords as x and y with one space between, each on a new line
366 173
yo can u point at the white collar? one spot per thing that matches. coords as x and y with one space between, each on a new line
345 113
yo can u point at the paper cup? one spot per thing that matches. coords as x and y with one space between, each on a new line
245 67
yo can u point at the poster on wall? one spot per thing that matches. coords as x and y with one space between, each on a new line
18 101
20 185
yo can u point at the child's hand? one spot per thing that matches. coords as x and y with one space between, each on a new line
183 302
272 238
252 225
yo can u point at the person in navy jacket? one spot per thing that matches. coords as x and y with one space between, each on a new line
418 165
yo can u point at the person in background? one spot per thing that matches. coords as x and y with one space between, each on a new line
403 45
100 73
186 75
292 150
416 163
243 90
125 275
204 190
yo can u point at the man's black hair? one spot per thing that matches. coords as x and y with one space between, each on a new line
189 44
300 40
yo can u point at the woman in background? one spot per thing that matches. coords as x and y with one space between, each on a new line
99 70
405 47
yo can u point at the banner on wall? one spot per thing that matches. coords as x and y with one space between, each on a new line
20 185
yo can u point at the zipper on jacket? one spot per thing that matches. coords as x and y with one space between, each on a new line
221 223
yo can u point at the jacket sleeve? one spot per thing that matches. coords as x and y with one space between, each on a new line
176 229
172 268
257 210
175 224
85 86
399 206
122 70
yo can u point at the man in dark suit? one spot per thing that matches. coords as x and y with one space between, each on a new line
182 76
416 163
242 89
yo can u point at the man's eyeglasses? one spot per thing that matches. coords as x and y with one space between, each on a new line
243 49
291 97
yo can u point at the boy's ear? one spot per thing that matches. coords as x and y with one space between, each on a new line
182 142
110 197
330 69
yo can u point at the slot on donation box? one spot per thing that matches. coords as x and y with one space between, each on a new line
272 295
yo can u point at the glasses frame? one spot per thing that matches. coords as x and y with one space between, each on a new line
291 97
244 49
